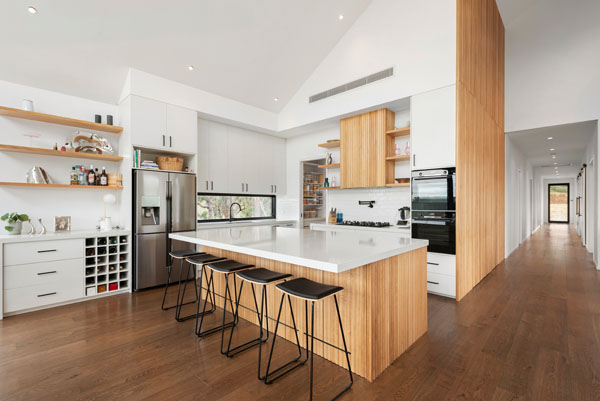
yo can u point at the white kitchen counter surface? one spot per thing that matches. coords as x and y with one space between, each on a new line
332 251
399 230
244 223
5 239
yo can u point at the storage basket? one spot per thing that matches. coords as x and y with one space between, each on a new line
172 163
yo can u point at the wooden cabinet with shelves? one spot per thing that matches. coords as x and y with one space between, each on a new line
363 149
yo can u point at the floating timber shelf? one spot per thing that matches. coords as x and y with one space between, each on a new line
329 145
398 158
29 185
333 165
399 132
52 119
329 188
59 153
398 184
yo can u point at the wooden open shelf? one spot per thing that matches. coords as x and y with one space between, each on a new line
399 132
52 119
398 184
333 165
50 152
329 145
26 184
329 188
398 158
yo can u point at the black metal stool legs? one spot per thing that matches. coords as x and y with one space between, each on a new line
294 363
337 309
169 270
200 316
231 352
180 300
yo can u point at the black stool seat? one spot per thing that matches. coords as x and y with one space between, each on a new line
262 275
184 253
204 258
305 288
228 266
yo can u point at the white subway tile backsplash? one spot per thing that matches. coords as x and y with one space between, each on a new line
387 203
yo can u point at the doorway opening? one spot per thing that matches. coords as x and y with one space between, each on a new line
558 203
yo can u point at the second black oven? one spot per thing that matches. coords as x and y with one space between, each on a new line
437 227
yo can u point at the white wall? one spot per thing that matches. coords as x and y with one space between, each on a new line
417 38
518 211
84 206
552 58
591 159
387 203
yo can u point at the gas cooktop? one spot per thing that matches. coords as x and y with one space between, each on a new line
366 223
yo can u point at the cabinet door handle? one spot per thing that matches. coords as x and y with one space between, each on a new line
246 187
45 295
207 185
42 273
433 282
272 188
275 188
47 250
170 141
164 139
212 186
431 263
414 160
242 187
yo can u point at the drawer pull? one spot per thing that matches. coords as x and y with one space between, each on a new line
431 263
47 250
433 282
45 295
42 273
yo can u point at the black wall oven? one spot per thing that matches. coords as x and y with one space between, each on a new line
434 208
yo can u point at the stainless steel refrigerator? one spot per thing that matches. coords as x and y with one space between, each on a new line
163 203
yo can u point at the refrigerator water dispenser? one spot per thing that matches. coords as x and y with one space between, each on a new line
150 210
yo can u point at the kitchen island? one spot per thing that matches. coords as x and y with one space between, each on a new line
384 302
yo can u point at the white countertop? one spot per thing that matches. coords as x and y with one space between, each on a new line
332 251
243 223
399 230
4 238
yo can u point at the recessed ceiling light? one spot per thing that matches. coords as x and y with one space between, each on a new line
276 99
549 138
552 150
32 9
341 17
191 68
555 163
554 156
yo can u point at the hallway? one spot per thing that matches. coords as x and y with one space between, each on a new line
528 331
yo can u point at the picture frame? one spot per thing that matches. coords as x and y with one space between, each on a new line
62 224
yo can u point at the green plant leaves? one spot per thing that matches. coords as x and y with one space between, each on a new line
8 228
12 218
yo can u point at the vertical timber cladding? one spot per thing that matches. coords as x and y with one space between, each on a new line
479 142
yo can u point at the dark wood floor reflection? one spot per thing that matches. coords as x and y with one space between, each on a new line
530 330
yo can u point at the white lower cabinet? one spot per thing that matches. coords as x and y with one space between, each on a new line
64 285
441 274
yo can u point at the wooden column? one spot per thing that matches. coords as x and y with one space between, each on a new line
479 142
383 308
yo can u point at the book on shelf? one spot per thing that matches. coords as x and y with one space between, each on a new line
149 164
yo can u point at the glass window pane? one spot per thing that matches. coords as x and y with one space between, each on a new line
214 207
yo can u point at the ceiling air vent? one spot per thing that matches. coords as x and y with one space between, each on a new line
352 85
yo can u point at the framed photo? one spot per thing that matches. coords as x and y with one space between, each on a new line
62 224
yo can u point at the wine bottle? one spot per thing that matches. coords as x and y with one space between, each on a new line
91 178
104 177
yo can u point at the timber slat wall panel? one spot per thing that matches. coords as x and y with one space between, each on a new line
383 308
479 142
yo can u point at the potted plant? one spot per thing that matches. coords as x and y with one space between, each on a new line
13 222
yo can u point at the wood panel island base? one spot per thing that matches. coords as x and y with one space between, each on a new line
383 305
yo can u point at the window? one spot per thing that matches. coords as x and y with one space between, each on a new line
215 207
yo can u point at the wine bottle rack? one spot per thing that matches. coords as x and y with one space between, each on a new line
107 264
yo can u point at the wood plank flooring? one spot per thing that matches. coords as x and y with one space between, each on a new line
528 331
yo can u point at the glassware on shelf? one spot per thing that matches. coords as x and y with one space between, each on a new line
397 151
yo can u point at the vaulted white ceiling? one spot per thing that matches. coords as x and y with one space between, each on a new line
250 51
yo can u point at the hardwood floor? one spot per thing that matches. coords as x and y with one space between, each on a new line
528 331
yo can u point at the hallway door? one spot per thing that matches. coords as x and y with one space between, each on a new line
558 203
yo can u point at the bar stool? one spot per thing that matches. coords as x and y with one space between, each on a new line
262 277
226 267
179 255
198 259
312 291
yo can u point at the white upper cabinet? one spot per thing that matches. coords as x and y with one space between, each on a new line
148 123
238 161
433 129
182 128
162 126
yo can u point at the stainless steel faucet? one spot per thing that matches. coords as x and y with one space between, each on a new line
230 206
